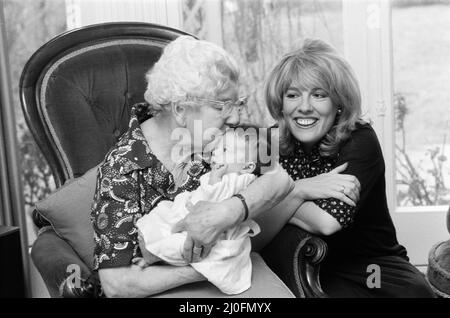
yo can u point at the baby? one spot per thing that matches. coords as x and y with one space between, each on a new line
234 165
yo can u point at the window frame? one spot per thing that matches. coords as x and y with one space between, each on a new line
368 48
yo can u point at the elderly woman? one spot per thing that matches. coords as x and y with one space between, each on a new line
192 90
313 94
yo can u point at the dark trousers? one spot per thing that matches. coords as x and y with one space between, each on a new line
397 278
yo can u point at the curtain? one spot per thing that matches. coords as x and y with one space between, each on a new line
12 210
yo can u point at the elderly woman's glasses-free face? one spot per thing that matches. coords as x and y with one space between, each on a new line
225 107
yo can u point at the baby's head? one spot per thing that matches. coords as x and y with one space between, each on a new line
238 151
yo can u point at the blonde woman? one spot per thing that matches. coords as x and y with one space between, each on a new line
314 95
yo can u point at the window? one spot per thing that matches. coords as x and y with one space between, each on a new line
29 24
421 101
257 33
394 72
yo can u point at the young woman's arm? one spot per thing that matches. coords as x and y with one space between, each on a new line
313 219
320 187
365 165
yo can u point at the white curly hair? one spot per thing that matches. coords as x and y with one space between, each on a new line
189 68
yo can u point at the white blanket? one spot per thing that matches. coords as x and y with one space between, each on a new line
228 265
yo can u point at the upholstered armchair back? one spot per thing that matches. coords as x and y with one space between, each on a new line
77 92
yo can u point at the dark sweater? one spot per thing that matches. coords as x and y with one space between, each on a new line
368 230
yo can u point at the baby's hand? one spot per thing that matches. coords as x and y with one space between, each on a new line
217 172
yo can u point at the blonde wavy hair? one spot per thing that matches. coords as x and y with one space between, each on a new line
316 65
189 68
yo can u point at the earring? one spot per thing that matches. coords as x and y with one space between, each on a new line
339 111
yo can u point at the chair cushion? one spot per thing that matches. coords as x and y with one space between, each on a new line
438 273
68 210
265 284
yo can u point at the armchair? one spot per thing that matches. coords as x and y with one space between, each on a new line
76 93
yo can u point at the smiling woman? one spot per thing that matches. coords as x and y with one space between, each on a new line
315 116
294 84
337 164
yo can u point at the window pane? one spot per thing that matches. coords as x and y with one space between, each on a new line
258 32
421 62
29 24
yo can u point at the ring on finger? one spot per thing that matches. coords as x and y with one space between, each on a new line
197 250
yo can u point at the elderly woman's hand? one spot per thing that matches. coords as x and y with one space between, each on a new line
333 184
205 222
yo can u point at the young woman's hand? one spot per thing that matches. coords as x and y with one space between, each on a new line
333 184
205 222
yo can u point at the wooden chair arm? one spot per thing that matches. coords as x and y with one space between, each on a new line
88 288
295 256
39 220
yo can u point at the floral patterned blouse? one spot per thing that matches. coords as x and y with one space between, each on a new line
130 183
300 165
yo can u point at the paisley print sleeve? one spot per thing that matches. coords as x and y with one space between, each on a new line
114 212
